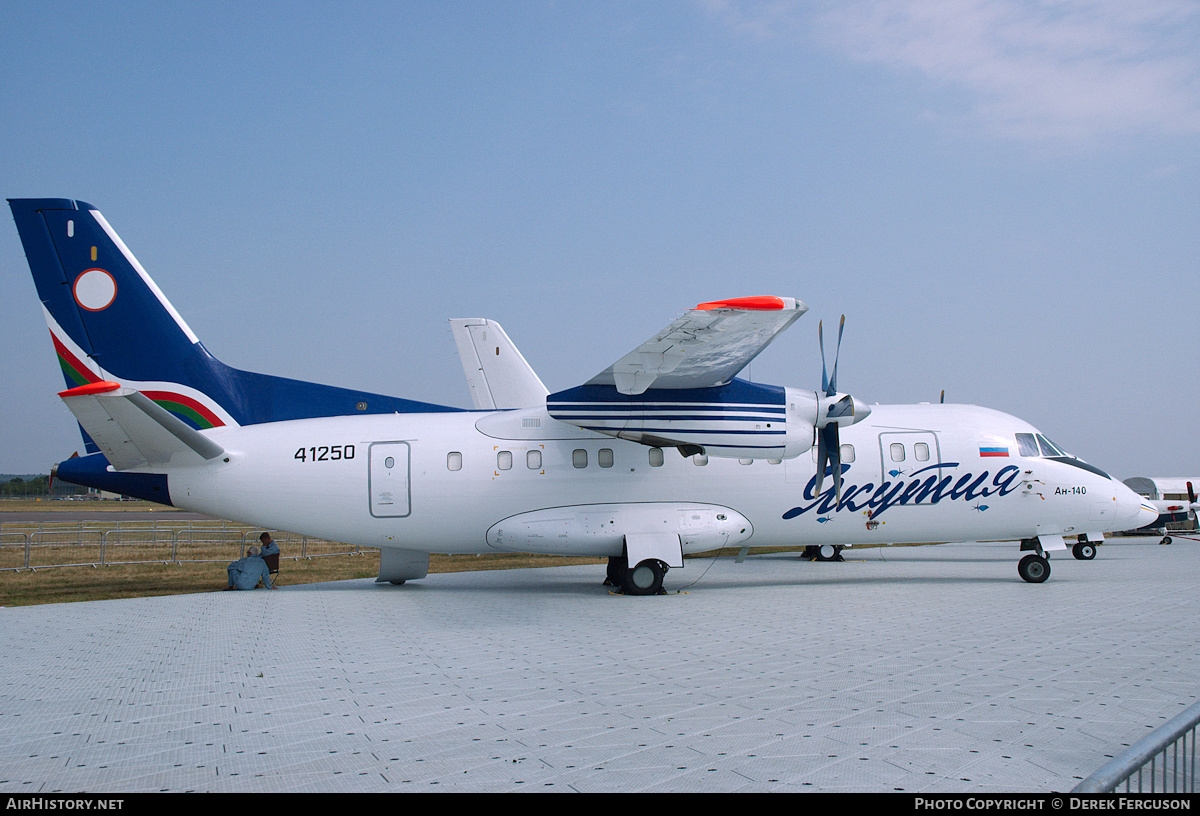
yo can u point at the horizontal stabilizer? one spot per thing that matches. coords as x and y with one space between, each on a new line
133 431
497 373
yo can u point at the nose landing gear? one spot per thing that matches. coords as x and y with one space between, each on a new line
1034 568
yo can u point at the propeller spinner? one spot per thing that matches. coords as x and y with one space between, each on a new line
833 411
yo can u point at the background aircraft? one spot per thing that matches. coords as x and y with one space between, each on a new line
1175 500
664 453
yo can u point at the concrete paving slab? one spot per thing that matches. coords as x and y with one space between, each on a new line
931 669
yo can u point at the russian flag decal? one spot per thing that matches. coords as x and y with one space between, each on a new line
993 451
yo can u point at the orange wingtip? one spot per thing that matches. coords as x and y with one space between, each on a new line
765 303
102 387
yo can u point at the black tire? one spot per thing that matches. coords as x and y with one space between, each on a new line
617 565
645 578
1084 551
829 552
1033 568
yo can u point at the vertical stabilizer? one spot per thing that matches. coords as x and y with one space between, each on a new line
497 374
110 322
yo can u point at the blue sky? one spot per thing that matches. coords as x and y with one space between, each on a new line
1002 196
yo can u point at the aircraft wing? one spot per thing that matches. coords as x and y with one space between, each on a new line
133 431
705 347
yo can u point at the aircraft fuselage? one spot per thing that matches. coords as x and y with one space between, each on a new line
474 482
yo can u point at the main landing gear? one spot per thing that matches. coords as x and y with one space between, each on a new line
824 552
643 578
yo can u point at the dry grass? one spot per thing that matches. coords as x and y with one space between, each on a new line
86 583
198 568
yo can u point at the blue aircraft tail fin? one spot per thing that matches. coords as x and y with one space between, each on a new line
110 322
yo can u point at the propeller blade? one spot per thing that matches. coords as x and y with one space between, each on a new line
829 382
822 460
829 455
821 341
836 353
829 448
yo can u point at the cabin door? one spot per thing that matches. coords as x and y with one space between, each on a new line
905 453
388 480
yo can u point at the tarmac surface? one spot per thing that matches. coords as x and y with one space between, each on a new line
923 670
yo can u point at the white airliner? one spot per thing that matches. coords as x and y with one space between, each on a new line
663 454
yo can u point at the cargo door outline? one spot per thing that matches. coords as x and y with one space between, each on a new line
388 482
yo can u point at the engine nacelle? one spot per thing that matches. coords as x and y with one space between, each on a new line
740 420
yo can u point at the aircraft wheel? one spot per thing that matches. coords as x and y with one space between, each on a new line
644 579
1166 540
829 552
1084 551
617 567
1033 568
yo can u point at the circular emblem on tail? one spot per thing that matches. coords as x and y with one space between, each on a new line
95 289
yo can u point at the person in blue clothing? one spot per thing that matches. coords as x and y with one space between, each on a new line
245 573
270 553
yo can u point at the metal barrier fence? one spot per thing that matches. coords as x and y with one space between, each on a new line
41 545
1164 761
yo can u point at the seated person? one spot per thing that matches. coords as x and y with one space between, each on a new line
269 553
245 573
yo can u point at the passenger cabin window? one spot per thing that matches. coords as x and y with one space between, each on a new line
1027 445
504 460
921 451
847 454
656 457
453 460
897 451
605 458
579 458
533 459
700 459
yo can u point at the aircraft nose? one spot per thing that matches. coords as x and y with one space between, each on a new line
1145 515
1134 511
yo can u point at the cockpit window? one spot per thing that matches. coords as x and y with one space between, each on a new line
1049 448
1038 445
